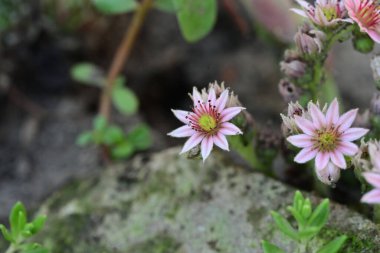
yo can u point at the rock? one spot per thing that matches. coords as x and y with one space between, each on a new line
165 203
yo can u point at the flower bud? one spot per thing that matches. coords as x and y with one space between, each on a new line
329 175
288 91
375 66
293 68
363 43
375 104
309 41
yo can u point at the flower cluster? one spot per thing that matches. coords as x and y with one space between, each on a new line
208 122
327 138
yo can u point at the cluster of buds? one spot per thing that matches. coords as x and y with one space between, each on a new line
309 41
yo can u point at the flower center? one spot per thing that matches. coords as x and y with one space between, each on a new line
207 122
326 141
330 13
368 13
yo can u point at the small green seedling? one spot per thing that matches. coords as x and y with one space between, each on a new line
309 224
20 230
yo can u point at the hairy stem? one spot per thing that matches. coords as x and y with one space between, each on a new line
122 55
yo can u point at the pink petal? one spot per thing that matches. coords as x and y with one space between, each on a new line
211 96
319 119
306 126
181 115
346 120
374 34
338 159
304 4
372 197
193 141
372 178
197 98
347 148
353 133
321 160
332 114
183 131
206 147
228 128
305 155
229 113
222 101
221 141
299 12
300 140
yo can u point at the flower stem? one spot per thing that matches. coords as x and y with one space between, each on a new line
122 55
11 249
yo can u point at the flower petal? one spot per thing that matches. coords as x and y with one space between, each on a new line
183 131
372 178
299 12
230 112
206 147
347 148
332 114
221 141
211 96
372 197
228 128
181 115
374 34
317 116
338 159
305 155
222 101
354 133
306 126
300 140
346 120
193 141
197 98
321 160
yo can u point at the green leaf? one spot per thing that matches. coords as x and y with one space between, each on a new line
165 5
140 137
110 7
113 135
33 248
88 73
124 100
308 232
84 139
17 219
6 234
123 150
306 209
100 123
271 248
320 215
284 226
196 17
334 245
297 216
38 223
298 200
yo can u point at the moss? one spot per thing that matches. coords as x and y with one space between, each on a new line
159 244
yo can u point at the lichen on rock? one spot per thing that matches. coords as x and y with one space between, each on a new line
169 204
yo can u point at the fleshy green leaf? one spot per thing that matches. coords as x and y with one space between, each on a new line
320 215
140 137
334 245
299 218
298 200
88 73
113 135
38 223
84 139
110 7
123 150
17 219
306 209
6 234
270 248
165 5
284 226
196 18
308 232
124 100
100 123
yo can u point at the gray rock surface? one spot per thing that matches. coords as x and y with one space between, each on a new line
166 203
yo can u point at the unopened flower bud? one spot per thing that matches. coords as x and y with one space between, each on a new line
291 54
309 41
375 104
363 43
288 91
374 154
329 175
294 68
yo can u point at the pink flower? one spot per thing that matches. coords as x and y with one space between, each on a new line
326 137
372 197
325 13
207 124
367 14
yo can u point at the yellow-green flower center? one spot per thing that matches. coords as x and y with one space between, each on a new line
330 13
327 141
207 122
